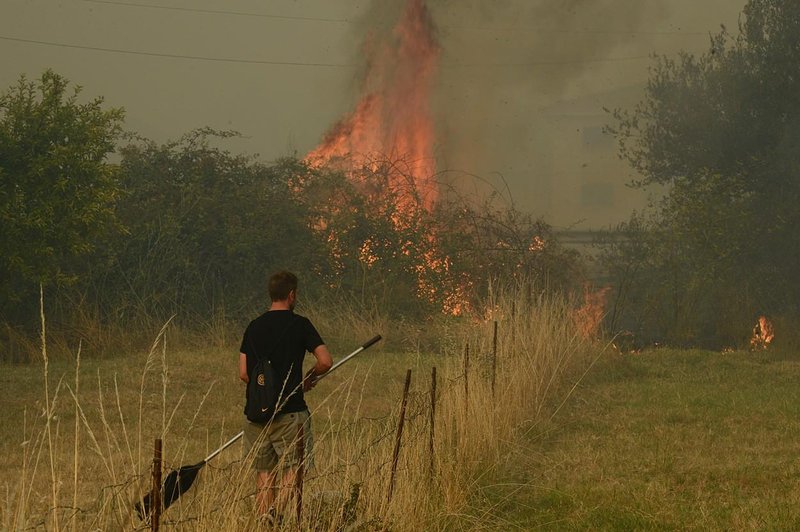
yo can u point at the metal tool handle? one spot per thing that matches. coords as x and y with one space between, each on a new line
364 346
227 444
371 341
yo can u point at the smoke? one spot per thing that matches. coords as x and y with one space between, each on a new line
515 39
504 61
392 116
498 63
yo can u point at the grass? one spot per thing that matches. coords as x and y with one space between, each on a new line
77 435
661 441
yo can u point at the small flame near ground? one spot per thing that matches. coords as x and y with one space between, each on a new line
589 316
763 334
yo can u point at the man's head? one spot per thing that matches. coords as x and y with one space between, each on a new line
283 287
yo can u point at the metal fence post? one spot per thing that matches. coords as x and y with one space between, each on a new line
155 518
400 424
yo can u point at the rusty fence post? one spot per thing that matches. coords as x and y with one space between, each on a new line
398 439
433 421
155 518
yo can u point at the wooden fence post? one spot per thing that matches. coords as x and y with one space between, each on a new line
400 424
155 518
513 323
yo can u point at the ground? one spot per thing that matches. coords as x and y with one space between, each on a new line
663 440
656 441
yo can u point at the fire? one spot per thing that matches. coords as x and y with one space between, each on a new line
391 128
589 316
390 133
537 244
763 334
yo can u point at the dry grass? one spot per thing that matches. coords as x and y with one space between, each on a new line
80 459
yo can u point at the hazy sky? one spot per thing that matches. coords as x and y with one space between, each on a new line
282 71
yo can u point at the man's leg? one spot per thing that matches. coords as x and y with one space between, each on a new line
288 431
287 489
265 496
258 448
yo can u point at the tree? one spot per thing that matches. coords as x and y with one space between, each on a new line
722 134
57 188
203 229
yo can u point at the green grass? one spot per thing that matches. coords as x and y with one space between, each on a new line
660 441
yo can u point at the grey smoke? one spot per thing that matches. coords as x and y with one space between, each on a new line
503 60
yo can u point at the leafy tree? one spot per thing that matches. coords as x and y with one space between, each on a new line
721 134
204 229
57 188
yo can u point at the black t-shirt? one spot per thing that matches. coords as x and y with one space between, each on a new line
284 337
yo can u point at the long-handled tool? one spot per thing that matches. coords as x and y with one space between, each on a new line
179 480
365 345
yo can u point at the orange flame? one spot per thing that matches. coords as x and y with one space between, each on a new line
589 316
392 122
763 334
391 133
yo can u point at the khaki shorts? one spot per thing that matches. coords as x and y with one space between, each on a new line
273 445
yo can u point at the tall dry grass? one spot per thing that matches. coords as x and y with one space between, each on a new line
87 475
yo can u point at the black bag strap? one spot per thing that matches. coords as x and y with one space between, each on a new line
277 344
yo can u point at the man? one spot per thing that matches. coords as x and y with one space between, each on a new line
284 338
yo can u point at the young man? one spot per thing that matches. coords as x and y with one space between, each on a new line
284 338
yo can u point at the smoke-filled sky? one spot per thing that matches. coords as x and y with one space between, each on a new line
282 72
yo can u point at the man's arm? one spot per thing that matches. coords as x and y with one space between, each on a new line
243 368
323 364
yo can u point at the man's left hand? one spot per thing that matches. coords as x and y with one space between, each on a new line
310 380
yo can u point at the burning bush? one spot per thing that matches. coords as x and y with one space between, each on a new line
383 244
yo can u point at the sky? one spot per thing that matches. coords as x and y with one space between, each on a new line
281 72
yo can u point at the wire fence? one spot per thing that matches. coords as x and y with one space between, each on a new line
369 436
381 430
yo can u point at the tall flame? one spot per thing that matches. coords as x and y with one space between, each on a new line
392 121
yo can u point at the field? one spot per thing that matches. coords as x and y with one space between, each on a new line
574 435
666 440
78 434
